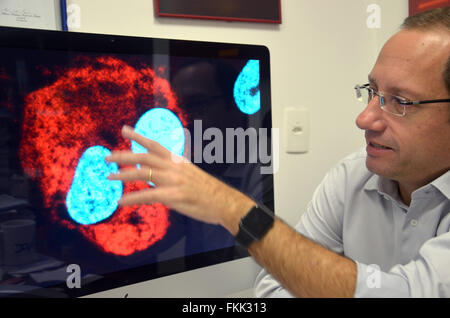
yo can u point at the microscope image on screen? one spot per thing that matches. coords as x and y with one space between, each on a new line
68 129
71 125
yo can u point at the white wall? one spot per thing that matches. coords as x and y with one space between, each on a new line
318 53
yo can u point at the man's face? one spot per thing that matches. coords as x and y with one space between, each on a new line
416 147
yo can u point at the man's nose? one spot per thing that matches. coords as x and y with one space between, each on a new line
371 117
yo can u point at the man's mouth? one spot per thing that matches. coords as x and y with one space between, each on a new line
378 146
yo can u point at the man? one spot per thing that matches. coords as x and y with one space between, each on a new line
379 223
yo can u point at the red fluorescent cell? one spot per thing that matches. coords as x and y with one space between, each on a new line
87 105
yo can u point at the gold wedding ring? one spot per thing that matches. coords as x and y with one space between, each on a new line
149 174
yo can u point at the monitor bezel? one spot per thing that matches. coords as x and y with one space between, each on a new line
38 39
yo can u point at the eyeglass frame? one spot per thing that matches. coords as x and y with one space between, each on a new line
402 101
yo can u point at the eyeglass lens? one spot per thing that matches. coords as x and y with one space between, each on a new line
388 103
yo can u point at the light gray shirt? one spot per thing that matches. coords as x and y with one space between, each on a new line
400 250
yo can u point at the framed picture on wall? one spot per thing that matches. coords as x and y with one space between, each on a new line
263 11
38 14
416 6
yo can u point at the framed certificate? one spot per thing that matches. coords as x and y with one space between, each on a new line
263 11
416 6
33 14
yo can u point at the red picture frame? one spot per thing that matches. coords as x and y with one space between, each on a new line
261 11
416 6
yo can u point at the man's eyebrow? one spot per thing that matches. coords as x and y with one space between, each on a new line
402 91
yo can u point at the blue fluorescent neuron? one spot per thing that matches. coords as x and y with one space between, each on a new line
246 88
93 198
162 126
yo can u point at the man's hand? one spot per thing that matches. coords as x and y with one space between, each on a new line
179 184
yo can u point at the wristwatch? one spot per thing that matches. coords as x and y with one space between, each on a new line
254 225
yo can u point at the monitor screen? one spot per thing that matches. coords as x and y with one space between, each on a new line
64 98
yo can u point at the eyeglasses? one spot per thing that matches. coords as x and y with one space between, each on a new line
390 103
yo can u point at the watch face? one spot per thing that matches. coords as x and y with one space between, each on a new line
258 221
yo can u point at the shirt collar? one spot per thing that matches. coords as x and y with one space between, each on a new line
380 184
443 184
372 183
386 186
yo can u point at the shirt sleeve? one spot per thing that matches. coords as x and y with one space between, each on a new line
268 287
425 276
321 223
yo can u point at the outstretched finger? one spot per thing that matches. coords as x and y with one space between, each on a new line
134 174
130 158
151 145
146 196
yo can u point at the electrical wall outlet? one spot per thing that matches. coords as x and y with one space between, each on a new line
296 130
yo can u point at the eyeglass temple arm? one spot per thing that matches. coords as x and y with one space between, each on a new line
425 102
358 93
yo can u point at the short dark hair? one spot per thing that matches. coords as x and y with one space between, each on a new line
428 20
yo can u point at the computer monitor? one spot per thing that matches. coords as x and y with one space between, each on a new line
64 97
